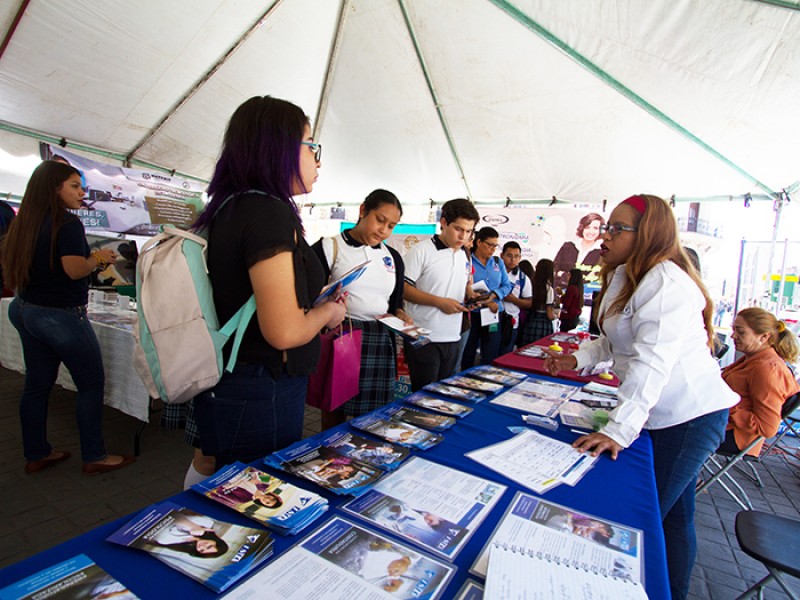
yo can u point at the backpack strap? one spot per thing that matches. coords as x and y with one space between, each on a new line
238 323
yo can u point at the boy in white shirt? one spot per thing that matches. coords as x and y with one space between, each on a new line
436 279
520 298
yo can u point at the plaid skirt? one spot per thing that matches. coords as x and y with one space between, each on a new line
378 369
181 416
536 326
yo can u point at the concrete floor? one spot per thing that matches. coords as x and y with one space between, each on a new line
44 509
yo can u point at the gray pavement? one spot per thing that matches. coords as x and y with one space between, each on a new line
47 508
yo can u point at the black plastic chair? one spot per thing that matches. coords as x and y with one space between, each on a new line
773 541
790 415
719 465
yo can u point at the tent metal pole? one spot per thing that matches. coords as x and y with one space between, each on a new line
202 81
435 98
781 4
13 28
322 107
535 27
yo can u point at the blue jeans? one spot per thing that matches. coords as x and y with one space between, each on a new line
51 336
678 454
249 415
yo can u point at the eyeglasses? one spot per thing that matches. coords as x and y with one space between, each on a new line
615 229
492 246
315 148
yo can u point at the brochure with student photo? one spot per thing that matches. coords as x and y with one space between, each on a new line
536 396
435 507
279 505
381 454
421 418
416 336
396 432
326 467
455 392
565 535
438 405
213 552
346 561
74 579
505 377
473 383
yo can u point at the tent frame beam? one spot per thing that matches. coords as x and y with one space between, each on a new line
322 107
429 81
627 92
203 80
23 6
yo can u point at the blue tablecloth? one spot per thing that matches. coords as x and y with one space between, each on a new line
623 490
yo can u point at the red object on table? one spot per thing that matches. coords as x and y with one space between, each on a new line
513 360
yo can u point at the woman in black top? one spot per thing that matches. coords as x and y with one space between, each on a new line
256 245
47 261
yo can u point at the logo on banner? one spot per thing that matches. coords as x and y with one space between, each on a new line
495 219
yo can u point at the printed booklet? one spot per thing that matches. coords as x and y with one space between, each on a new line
455 392
215 553
536 396
342 560
74 579
279 505
343 281
435 507
561 534
397 411
497 375
397 432
326 467
384 455
473 383
438 405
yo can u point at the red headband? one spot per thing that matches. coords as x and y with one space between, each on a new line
638 203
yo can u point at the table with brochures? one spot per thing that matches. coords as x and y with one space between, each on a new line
622 491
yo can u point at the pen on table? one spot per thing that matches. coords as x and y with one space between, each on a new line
579 431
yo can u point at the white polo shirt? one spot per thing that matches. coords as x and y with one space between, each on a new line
526 292
434 268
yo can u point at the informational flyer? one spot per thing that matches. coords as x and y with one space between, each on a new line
497 375
561 534
535 461
438 405
344 561
536 396
435 507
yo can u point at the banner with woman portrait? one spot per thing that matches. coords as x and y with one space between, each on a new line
570 237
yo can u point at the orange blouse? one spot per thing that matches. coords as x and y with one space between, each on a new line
763 381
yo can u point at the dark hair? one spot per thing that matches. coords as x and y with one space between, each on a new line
190 548
587 220
694 258
40 202
485 233
378 198
509 245
542 279
460 208
278 500
576 279
260 151
526 267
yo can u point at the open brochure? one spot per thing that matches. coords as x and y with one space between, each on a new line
563 535
279 505
215 553
518 575
396 432
535 461
344 561
326 467
438 405
497 375
75 578
435 507
536 396
398 411
417 336
343 281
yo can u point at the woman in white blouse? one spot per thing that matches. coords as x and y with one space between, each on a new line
655 318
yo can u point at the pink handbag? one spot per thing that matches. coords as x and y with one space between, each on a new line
335 380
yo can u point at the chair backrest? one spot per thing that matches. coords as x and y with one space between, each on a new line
790 405
720 351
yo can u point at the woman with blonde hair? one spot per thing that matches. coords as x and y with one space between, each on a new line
655 320
760 377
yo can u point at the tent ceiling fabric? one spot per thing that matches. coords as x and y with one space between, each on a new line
525 119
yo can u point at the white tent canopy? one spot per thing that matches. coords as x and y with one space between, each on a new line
580 100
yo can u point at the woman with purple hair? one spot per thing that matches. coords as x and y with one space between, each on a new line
256 246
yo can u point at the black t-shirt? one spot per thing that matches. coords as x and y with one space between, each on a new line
251 228
51 286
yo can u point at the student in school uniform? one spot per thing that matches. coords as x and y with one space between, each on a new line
436 281
518 301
